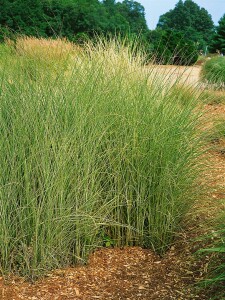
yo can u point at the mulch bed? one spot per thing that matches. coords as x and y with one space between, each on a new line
128 273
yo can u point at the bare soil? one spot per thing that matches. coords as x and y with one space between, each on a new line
135 273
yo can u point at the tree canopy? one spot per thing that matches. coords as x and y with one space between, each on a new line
171 47
190 19
72 17
218 42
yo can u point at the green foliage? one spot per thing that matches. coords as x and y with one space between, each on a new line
218 42
213 71
99 151
60 18
170 47
194 22
134 13
216 274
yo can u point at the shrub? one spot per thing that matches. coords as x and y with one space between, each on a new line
105 149
213 71
171 47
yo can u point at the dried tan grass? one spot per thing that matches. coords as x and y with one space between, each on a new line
41 48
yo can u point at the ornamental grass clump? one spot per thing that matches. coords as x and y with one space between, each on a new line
44 57
103 151
215 280
213 72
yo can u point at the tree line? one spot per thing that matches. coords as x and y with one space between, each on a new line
186 25
72 18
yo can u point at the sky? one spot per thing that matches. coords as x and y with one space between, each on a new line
155 8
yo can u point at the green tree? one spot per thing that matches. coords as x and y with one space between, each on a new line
116 22
175 18
171 47
194 22
218 42
134 13
69 18
23 16
72 18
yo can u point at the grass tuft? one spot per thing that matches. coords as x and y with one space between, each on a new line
95 148
213 71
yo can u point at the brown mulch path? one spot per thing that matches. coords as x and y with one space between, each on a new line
135 273
129 273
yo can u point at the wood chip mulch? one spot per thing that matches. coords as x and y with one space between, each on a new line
128 273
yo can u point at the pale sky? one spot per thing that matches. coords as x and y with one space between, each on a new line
155 8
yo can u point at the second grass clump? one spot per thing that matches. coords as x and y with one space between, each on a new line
213 71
